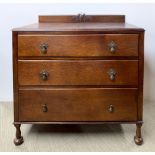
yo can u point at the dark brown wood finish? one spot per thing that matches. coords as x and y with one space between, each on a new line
79 122
87 45
141 76
81 18
69 81
78 72
15 74
77 28
138 138
82 104
19 139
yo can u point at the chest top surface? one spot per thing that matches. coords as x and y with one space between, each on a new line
80 23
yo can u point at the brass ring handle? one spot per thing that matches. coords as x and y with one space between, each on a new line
44 75
44 108
43 48
112 74
112 47
110 108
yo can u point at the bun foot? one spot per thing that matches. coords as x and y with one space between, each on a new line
18 141
138 140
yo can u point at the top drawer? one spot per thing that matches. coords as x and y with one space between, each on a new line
85 45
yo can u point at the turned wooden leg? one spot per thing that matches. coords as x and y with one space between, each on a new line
138 138
19 139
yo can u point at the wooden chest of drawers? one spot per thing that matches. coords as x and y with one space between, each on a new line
78 69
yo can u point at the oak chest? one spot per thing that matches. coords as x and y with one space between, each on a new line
78 69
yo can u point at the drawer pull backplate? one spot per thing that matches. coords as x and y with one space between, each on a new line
112 74
112 47
43 48
44 75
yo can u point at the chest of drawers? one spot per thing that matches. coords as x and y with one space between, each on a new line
78 69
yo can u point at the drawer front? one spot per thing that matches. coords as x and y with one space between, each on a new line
89 45
81 104
78 72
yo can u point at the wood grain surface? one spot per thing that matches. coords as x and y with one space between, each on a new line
74 104
78 72
89 45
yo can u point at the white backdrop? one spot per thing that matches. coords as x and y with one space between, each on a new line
16 15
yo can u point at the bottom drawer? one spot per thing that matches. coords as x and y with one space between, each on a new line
78 104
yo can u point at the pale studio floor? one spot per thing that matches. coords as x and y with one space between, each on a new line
77 137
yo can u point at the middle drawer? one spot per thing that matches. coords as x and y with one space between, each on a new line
78 72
